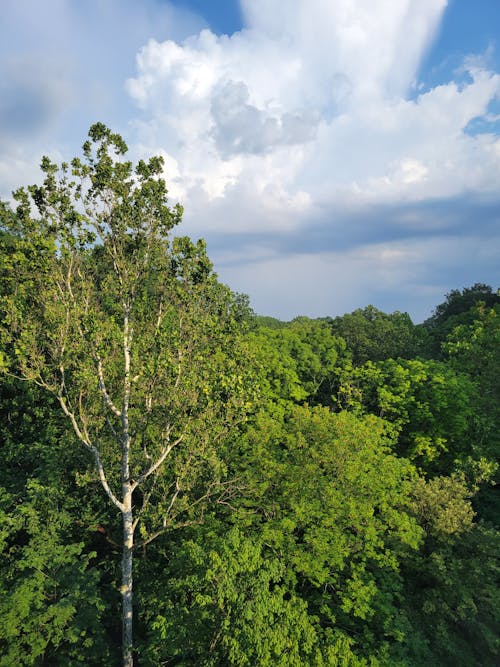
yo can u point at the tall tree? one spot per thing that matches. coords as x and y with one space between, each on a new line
475 349
131 333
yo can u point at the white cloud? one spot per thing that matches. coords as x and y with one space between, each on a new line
376 45
311 104
308 122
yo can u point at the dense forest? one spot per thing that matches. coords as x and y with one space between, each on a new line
249 491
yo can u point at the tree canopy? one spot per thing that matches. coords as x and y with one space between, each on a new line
249 491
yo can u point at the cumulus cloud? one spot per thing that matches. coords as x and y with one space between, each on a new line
240 127
320 100
310 124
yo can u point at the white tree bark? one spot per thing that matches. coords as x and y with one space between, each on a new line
127 582
127 512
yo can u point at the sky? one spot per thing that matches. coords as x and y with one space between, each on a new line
333 153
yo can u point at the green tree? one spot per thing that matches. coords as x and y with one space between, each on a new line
429 404
55 555
52 610
457 309
334 505
223 600
132 335
300 359
372 335
474 349
451 595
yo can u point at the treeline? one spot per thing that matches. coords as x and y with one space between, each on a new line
331 498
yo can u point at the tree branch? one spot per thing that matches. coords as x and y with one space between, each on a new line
191 522
166 451
162 531
93 449
103 390
172 501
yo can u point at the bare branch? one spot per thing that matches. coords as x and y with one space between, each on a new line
139 513
162 531
227 490
93 449
103 390
112 428
172 501
154 466
83 419
145 501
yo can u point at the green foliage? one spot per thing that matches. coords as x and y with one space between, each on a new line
335 506
372 335
234 606
334 491
451 596
117 316
130 333
300 360
50 606
269 322
457 310
429 404
474 349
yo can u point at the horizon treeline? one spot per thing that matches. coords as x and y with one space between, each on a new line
316 492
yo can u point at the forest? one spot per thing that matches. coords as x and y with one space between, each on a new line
185 482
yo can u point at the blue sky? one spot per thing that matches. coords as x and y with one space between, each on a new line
334 153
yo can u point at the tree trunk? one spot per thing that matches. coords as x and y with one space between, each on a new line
127 583
128 526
